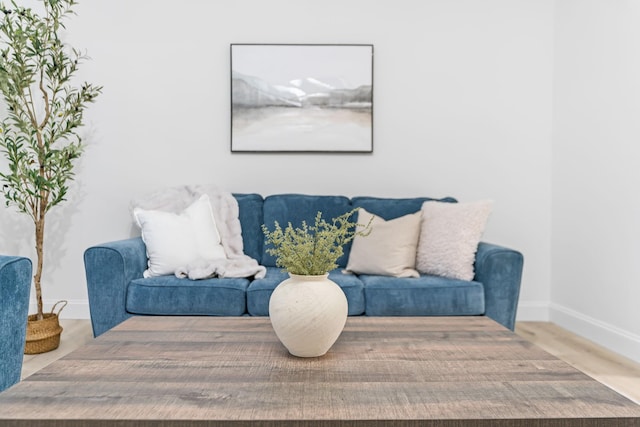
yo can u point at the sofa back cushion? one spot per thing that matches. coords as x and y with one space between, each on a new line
295 208
250 207
389 209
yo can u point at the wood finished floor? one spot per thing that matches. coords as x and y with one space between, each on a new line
617 372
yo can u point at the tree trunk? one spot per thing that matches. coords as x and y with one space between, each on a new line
43 202
39 215
40 254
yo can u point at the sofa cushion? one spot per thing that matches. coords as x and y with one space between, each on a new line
295 208
449 237
259 291
168 295
175 240
390 247
250 213
423 296
389 208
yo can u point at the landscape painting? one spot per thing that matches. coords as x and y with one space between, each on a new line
301 98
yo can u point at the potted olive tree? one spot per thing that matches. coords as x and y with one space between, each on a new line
39 131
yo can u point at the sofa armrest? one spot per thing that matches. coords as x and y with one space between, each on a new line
109 268
499 269
15 286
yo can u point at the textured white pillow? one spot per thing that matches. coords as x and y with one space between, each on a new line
390 248
449 237
175 240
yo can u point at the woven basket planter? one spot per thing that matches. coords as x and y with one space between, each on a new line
43 335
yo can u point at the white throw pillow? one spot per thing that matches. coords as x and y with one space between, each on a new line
449 237
175 240
390 248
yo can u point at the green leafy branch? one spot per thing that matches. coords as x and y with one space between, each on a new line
313 250
39 135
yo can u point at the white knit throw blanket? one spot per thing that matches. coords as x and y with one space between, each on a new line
226 214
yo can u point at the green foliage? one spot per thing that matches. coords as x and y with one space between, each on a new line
44 110
39 134
313 250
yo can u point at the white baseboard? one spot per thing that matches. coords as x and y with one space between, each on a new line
609 336
75 309
533 311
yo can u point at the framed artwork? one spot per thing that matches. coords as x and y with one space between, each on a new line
302 98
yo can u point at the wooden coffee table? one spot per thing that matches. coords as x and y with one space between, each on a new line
401 371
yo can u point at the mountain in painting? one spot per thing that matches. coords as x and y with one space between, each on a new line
253 92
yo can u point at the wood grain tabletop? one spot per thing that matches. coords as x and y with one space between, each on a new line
393 371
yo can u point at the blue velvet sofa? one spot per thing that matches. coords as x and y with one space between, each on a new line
15 286
117 289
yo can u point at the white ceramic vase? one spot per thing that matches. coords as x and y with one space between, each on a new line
308 314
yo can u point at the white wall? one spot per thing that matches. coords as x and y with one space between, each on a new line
462 93
596 171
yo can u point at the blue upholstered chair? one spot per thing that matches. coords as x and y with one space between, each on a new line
15 285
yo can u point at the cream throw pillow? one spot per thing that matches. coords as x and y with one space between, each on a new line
449 237
176 240
390 248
